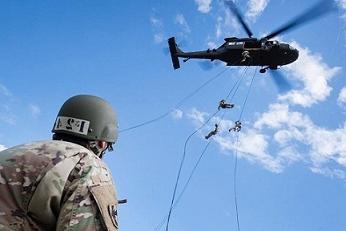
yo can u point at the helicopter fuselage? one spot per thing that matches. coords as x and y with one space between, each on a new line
242 52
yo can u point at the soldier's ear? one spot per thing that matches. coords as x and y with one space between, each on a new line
102 144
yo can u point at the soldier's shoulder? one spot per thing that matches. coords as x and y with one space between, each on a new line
47 147
93 169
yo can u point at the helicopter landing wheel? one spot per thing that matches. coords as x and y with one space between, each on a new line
263 70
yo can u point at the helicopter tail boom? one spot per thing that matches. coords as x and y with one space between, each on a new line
174 50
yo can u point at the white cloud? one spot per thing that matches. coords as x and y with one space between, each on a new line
156 22
157 26
255 8
279 115
342 5
332 173
253 146
327 145
218 32
177 114
6 115
231 24
226 24
180 19
34 110
212 45
342 96
158 37
204 6
314 75
197 117
294 138
2 147
324 146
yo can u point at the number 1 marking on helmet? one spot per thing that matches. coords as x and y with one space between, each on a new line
71 124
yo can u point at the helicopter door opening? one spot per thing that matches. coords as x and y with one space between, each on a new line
252 45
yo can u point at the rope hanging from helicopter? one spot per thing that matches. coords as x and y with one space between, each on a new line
235 169
177 106
191 174
173 204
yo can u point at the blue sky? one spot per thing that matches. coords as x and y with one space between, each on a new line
292 148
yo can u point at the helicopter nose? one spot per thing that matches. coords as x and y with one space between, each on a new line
294 55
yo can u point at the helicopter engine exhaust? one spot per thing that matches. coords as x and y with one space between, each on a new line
173 49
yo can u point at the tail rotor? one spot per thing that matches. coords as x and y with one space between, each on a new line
174 50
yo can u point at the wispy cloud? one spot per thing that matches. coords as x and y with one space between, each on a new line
157 26
332 173
4 91
34 110
255 8
218 28
226 24
342 97
6 114
177 114
180 20
342 5
197 117
204 6
314 75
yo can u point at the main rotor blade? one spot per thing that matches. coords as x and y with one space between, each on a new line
280 81
319 9
236 12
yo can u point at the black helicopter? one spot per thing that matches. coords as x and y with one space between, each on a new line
263 52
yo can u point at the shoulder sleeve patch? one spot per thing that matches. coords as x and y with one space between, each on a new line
107 203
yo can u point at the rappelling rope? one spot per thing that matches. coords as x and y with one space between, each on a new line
247 95
173 204
236 155
178 105
181 166
158 227
235 182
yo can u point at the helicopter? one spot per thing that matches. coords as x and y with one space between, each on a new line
250 51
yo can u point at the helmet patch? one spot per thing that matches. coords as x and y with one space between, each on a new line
71 124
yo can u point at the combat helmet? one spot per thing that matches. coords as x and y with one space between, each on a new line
88 117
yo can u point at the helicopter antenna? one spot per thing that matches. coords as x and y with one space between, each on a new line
319 9
239 16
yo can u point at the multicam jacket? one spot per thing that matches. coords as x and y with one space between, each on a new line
55 185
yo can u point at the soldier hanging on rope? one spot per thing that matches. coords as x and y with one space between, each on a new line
245 57
214 132
237 127
224 105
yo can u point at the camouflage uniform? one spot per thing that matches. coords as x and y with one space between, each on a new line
55 185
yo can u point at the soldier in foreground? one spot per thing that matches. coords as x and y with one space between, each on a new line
63 184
